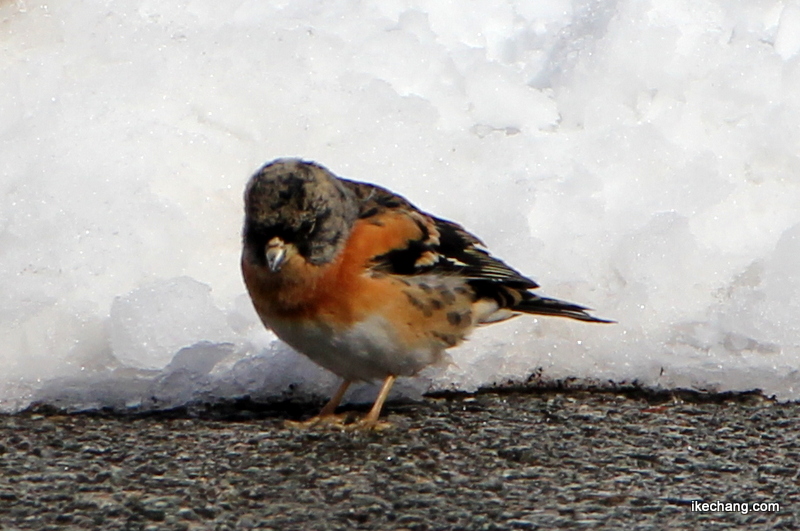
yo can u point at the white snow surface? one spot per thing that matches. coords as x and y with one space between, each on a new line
638 157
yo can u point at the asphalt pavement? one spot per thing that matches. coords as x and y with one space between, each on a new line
519 459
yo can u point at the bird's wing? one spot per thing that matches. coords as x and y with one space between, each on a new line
441 246
436 246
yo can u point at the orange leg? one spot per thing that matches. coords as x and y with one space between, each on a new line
370 421
325 416
333 403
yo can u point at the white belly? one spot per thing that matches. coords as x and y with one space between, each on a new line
367 351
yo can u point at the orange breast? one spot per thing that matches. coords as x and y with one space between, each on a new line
342 292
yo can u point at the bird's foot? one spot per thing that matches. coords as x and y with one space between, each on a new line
342 421
320 421
366 424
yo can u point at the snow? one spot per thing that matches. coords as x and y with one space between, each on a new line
642 158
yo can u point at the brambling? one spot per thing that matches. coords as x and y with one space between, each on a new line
367 285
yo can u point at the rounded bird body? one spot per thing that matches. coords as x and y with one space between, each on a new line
365 284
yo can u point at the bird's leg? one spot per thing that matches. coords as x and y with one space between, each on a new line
370 421
333 403
326 416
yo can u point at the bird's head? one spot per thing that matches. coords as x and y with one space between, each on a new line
296 207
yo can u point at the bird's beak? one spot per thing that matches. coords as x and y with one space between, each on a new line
276 254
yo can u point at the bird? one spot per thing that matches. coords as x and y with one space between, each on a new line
367 285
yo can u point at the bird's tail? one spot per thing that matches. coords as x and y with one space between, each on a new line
534 304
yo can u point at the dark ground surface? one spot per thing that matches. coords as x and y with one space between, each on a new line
511 460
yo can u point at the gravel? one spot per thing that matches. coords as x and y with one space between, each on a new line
497 460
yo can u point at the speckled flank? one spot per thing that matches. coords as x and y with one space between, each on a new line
438 308
456 318
417 303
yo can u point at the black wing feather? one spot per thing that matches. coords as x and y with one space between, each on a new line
447 248
462 248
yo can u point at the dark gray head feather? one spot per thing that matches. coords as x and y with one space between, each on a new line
304 204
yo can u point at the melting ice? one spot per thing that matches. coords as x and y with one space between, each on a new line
637 157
